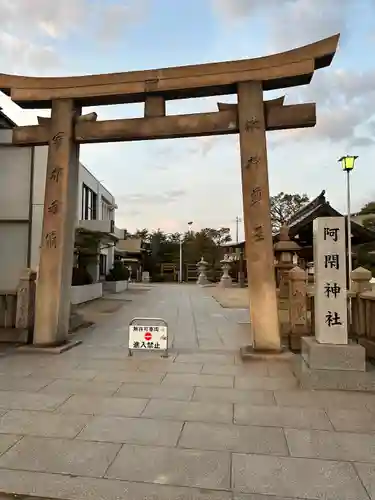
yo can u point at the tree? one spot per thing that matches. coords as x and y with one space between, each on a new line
368 209
165 248
366 252
283 206
143 234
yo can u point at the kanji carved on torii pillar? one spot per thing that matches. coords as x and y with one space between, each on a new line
251 118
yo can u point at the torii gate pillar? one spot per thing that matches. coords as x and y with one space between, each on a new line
52 309
258 233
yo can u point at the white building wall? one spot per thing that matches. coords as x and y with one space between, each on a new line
39 184
15 175
103 195
21 207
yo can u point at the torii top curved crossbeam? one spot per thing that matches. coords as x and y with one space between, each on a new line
286 69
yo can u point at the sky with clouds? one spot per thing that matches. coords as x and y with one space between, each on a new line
165 184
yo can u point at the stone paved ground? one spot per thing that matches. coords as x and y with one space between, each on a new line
94 424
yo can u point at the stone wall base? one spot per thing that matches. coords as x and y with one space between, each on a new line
333 367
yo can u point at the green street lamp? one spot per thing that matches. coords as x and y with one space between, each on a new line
347 164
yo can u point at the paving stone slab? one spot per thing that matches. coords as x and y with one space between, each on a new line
96 405
60 456
352 420
105 364
296 478
155 391
197 357
186 379
29 384
45 424
81 387
280 369
278 416
132 430
246 369
102 352
325 399
265 383
15 371
367 474
343 446
85 488
30 401
263 398
159 367
7 441
130 377
242 496
70 374
219 437
189 411
177 467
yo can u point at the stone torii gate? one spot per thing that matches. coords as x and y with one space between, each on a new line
251 117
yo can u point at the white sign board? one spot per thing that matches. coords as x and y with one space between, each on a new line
148 338
331 313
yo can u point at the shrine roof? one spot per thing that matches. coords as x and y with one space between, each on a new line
320 207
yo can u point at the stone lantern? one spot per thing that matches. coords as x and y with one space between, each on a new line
202 269
284 249
226 280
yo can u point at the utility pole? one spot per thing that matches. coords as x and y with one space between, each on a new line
181 256
238 220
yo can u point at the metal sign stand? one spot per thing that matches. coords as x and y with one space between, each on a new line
146 334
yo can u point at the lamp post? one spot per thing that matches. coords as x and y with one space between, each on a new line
347 163
181 260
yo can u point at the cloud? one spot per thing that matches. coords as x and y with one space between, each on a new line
142 198
17 53
345 99
39 17
292 22
345 106
118 16
304 21
31 29
237 9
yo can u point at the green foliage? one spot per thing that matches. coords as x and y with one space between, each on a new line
165 247
80 276
365 257
119 272
283 206
369 208
369 223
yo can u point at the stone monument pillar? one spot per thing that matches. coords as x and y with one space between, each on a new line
225 280
202 269
330 360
